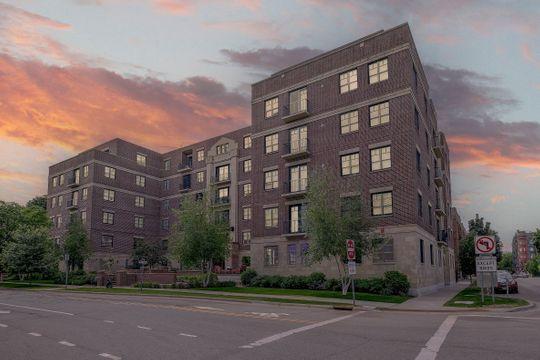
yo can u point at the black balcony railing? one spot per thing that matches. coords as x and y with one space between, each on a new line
294 227
185 166
222 200
296 185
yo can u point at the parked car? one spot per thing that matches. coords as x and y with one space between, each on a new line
504 279
521 274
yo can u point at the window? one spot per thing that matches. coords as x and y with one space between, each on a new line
223 195
380 158
222 149
166 184
421 244
291 254
381 203
85 193
271 143
304 253
416 119
53 202
271 217
166 204
246 189
164 224
298 101
139 201
85 170
379 114
141 159
349 122
298 138
167 164
110 172
60 200
418 160
385 251
164 244
378 71
430 215
55 181
270 255
431 254
200 155
222 173
247 213
427 141
298 178
271 180
108 195
271 107
246 237
350 164
247 166
108 217
420 206
107 241
139 221
186 182
62 179
140 180
295 219
83 216
440 257
348 81
198 197
59 221
428 177
247 142
200 177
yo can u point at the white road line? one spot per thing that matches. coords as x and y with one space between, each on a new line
109 356
144 327
34 334
208 308
502 317
188 335
429 352
284 334
3 325
66 343
5 311
38 309
108 321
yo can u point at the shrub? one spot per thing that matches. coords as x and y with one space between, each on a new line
396 283
197 281
247 277
294 282
315 281
147 285
226 284
332 285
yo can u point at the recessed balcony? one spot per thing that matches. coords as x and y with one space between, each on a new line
295 188
294 228
296 150
295 110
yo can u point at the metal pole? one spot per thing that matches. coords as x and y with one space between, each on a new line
66 261
507 291
140 283
353 294
492 288
482 285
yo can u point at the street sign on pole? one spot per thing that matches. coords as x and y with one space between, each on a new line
352 267
486 264
351 251
484 245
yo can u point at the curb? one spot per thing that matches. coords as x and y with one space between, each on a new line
523 308
455 310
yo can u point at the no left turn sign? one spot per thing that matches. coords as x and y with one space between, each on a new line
484 245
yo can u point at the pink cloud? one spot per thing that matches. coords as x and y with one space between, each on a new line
495 199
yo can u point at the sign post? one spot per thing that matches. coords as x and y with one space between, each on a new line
486 262
66 262
351 265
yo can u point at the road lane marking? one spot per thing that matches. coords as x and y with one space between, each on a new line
66 343
188 335
144 327
501 317
429 352
38 309
5 312
34 334
284 334
3 325
109 356
208 308
108 321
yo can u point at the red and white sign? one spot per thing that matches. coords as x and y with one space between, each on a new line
351 251
484 245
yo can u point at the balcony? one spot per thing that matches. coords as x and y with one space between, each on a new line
295 188
442 237
439 209
72 205
216 180
73 181
292 228
439 177
296 149
222 201
438 146
185 166
295 110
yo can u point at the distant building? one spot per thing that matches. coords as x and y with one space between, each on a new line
523 249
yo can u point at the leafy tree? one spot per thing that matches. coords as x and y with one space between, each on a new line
39 201
76 244
201 237
330 220
536 238
507 262
533 266
151 253
467 256
31 251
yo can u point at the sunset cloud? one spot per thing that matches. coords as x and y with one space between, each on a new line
495 199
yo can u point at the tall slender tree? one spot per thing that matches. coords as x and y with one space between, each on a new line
76 244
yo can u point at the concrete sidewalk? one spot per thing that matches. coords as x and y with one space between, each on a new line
434 301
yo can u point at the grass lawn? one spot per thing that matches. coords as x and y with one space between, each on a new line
23 285
316 293
472 294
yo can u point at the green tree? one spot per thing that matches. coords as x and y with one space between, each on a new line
467 256
31 251
39 201
201 237
153 254
533 266
76 243
536 238
507 262
331 219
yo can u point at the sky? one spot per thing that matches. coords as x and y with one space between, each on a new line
166 73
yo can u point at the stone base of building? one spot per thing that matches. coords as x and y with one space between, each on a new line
436 271
107 262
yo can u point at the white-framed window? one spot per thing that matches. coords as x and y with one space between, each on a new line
379 114
349 122
53 202
378 71
139 221
350 164
246 237
165 224
55 181
247 165
381 203
298 139
140 180
200 177
85 193
60 200
107 241
62 179
246 213
141 159
247 142
83 216
139 201
348 81
108 217
246 189
222 149
298 101
166 204
222 173
271 180
85 171
75 197
380 158
270 255
200 155
167 164
110 172
223 194
166 184
271 143
298 178
291 254
271 107
108 195
271 217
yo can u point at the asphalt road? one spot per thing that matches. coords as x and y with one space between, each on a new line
54 325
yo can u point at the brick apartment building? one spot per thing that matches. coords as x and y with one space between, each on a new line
363 110
458 234
523 249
